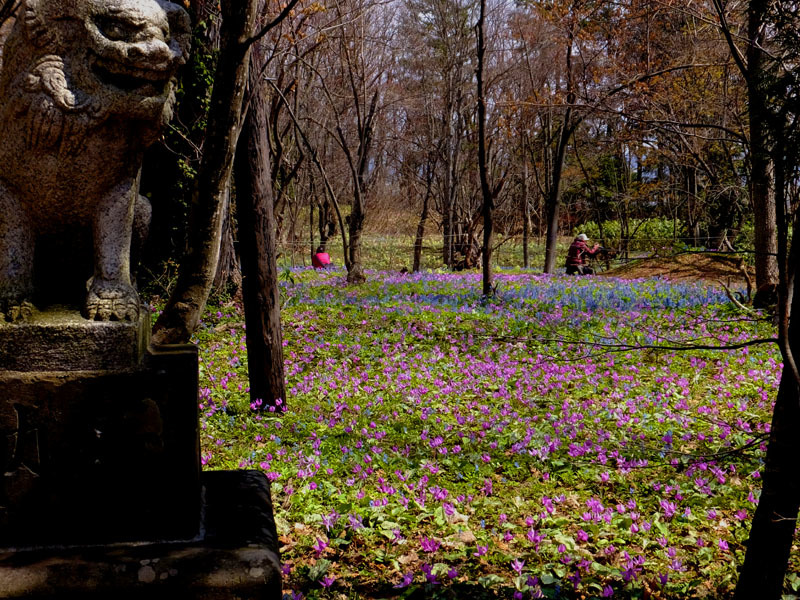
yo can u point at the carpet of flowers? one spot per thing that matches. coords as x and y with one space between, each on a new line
554 441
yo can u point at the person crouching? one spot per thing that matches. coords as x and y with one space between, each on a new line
576 256
321 259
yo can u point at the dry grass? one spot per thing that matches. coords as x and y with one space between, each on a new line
689 266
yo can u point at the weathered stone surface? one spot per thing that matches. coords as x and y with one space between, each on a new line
96 457
85 88
60 339
236 559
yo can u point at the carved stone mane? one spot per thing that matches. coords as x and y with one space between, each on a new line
85 87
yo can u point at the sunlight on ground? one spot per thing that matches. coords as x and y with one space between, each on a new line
539 444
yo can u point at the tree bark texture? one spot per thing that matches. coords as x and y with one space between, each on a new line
312 248
326 222
772 530
355 268
257 249
761 176
228 278
526 219
774 522
554 197
187 302
448 202
423 218
451 116
355 271
483 168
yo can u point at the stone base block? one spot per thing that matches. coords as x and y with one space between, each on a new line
60 339
96 457
237 558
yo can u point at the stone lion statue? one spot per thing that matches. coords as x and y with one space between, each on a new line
85 87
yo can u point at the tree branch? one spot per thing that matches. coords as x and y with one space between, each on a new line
269 26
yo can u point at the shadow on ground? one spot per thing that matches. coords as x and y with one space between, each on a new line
689 266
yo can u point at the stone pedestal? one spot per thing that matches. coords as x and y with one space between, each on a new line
60 339
236 557
102 494
101 456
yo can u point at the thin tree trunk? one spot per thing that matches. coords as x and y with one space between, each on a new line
763 214
554 198
423 218
311 203
447 220
257 246
452 114
187 302
452 193
761 175
330 194
228 278
447 196
526 218
326 224
486 192
691 205
355 272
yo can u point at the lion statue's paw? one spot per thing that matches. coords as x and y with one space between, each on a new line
15 311
111 302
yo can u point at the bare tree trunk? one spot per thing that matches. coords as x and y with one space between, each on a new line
691 205
452 198
448 231
355 273
763 212
257 246
486 192
773 528
228 278
423 218
761 175
312 248
526 218
554 198
182 313
447 196
355 268
330 193
327 222
452 112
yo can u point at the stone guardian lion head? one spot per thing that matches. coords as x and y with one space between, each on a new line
108 56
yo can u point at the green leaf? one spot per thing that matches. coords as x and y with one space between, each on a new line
490 581
318 571
521 583
547 579
793 579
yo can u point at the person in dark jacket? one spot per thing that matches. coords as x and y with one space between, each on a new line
576 256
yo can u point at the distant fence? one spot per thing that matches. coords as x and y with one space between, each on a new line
397 252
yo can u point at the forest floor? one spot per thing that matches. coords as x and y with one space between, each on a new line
538 444
689 266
